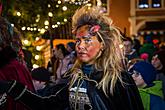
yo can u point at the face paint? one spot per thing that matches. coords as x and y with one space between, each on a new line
87 46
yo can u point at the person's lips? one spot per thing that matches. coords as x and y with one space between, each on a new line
82 54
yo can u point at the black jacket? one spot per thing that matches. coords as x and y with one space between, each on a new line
124 98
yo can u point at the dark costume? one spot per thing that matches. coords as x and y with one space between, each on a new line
124 98
11 69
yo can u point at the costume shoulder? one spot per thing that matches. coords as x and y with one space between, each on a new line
126 94
126 77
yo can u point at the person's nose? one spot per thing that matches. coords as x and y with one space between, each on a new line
81 45
153 61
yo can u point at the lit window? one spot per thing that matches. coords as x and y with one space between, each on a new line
156 3
143 4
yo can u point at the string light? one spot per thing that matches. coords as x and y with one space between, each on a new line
23 28
18 13
50 14
46 22
65 20
59 2
64 8
42 31
37 57
35 66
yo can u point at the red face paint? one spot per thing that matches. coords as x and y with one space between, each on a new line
87 46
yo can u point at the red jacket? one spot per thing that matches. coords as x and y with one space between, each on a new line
16 71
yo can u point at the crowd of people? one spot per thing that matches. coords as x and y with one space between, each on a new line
146 65
92 73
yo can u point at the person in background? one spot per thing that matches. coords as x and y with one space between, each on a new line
137 45
97 80
144 75
11 66
147 49
61 54
28 58
130 52
158 61
70 46
41 80
52 64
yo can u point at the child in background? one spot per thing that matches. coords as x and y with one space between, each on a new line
144 75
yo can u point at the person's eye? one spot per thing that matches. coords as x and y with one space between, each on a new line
88 40
77 42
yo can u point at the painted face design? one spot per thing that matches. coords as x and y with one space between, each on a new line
87 46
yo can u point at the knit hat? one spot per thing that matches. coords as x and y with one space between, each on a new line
149 49
41 74
147 71
144 56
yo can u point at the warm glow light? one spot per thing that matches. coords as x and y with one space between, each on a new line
35 29
37 38
23 28
35 66
42 30
89 4
46 27
31 29
18 13
57 6
37 57
37 20
46 22
28 28
50 14
26 42
65 20
58 23
12 25
49 5
64 8
99 3
59 2
53 26
38 48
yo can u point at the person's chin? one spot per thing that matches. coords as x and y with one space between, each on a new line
84 60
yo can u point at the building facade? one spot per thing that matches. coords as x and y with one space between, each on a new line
139 17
